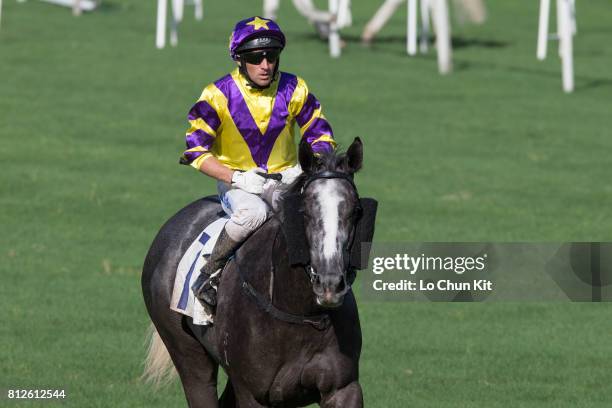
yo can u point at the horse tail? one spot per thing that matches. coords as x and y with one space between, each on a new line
159 369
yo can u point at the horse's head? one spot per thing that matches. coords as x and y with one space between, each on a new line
331 210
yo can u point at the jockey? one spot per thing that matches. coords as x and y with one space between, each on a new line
242 126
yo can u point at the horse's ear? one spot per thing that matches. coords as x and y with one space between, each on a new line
306 157
354 156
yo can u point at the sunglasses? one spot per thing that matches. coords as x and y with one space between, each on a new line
257 57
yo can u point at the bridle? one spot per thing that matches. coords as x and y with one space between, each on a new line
330 174
320 321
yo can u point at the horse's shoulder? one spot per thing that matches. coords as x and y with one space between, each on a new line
274 222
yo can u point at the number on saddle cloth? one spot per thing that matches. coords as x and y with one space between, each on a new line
295 232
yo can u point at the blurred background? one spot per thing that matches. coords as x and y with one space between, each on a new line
92 123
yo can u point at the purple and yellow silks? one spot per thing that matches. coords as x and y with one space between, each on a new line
245 128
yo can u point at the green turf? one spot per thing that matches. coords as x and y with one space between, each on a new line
92 119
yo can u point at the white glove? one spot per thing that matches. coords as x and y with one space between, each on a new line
249 181
291 174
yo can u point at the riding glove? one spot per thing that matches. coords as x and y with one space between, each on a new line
249 181
290 174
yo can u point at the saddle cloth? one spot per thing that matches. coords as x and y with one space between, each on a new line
188 271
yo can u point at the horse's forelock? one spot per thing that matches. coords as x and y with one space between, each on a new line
332 161
326 161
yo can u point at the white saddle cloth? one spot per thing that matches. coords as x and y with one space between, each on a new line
188 271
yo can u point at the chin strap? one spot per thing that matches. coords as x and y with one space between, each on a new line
243 71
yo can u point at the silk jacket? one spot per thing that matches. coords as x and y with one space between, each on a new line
245 128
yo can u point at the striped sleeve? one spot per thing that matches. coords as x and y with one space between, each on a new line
309 117
204 122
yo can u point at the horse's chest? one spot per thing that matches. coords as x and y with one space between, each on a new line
287 388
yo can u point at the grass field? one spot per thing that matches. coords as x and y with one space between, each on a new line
92 119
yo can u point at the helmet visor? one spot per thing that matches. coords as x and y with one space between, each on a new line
260 43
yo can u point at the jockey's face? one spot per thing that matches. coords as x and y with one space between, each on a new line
260 66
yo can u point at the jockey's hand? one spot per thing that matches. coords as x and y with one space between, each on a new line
249 181
291 174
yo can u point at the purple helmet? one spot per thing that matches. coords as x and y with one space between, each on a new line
255 33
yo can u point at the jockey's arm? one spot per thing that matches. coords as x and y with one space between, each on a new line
249 181
212 167
314 128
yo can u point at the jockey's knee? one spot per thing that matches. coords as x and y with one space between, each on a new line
246 220
256 215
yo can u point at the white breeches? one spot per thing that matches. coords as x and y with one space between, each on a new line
304 7
248 211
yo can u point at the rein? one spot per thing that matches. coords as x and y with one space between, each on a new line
319 322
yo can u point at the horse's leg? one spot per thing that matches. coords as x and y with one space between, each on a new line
197 370
347 397
228 398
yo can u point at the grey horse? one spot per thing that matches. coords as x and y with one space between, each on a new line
286 333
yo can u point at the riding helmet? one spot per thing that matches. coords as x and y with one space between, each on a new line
255 33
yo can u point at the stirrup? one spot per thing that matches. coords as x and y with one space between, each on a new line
206 291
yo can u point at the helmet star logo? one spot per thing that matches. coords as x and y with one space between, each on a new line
258 23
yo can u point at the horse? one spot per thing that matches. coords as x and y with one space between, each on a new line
286 331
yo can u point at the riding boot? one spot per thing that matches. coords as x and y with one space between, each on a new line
205 287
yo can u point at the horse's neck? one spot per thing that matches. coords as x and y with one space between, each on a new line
292 290
265 255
